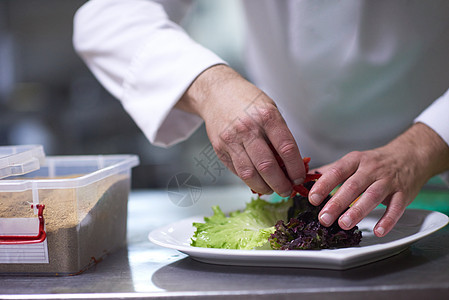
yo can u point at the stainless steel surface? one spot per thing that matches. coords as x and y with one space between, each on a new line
144 270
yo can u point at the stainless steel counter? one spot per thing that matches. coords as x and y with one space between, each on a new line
144 270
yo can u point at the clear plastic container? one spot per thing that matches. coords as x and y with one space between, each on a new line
78 204
18 160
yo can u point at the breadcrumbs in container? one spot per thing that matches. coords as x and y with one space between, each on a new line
81 202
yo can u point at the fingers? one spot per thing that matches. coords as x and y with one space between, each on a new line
334 175
286 147
234 156
245 144
267 167
368 201
372 193
367 179
393 213
246 170
321 169
256 165
273 126
348 193
357 181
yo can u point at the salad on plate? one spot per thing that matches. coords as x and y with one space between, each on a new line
291 224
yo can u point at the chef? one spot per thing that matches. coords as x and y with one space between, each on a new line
360 86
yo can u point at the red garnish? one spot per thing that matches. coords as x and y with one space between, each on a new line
310 177
300 188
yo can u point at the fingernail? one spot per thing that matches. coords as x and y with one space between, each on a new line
314 199
326 219
347 221
380 231
286 194
298 181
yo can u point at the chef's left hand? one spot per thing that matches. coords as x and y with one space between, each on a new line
392 175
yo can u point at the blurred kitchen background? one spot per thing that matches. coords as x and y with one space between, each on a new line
49 97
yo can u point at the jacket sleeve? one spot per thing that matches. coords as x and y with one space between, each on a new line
145 60
436 116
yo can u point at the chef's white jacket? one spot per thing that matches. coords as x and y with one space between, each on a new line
346 75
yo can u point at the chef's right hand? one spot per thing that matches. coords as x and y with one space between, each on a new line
241 121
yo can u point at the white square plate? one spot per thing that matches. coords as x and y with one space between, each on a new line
413 225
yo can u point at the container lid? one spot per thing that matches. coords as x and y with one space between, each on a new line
19 160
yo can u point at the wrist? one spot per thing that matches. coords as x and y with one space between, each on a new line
215 87
427 149
202 88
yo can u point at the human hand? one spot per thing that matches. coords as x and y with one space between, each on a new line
392 175
241 122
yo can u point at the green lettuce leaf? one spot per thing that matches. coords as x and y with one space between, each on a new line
247 229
